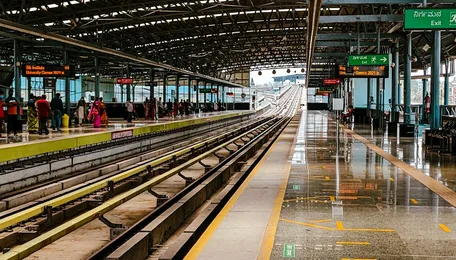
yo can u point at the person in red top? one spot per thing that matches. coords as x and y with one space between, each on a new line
2 113
43 115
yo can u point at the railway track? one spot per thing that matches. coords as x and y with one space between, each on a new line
54 218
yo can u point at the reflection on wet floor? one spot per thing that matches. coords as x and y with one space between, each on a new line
114 124
343 201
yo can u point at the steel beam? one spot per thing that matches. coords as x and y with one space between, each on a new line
354 36
90 46
435 82
152 86
382 2
361 18
312 29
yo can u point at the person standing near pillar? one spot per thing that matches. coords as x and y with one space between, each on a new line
32 121
43 110
427 106
57 110
81 110
12 114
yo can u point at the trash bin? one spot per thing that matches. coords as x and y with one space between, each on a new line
65 121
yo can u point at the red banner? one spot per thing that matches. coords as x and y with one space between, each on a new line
331 81
124 81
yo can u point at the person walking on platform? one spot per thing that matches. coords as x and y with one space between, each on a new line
43 110
32 121
181 107
57 110
94 113
175 107
104 114
2 113
187 107
81 111
154 109
12 114
146 105
169 108
160 107
130 111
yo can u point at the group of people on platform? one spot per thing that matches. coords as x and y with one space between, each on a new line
97 114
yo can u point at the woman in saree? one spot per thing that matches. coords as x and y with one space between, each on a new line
32 114
103 113
94 113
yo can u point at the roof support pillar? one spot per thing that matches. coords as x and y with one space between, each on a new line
395 84
205 97
447 83
165 77
425 91
435 82
407 78
17 69
152 84
66 61
128 85
177 88
97 76
189 98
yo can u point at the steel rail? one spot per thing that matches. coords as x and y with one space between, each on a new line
28 248
39 209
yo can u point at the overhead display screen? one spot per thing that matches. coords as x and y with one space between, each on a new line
48 71
363 71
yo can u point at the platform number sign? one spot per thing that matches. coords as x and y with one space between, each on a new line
289 251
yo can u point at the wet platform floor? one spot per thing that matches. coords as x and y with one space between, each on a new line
343 201
340 200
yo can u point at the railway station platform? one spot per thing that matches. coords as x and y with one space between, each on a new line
69 138
328 192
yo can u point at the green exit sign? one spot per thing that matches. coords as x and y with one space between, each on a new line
368 60
429 19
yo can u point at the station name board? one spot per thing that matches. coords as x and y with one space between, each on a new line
48 71
363 71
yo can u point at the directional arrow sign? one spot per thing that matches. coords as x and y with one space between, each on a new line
369 59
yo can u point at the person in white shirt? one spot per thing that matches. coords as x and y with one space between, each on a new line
130 111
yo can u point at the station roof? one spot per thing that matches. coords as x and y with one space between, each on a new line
209 37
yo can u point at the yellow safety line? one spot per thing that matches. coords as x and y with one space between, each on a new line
444 228
339 225
28 248
353 243
336 229
22 150
269 235
444 192
414 201
321 220
38 209
206 236
358 258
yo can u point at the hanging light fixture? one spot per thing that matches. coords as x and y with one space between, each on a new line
260 73
288 70
274 71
